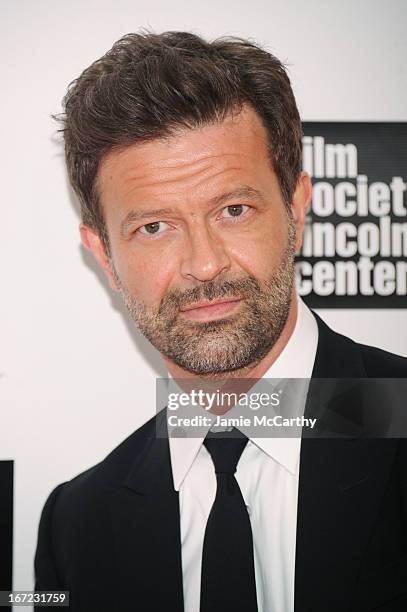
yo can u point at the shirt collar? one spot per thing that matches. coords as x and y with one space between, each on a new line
295 361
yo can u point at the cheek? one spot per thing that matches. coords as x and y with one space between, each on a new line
146 277
260 252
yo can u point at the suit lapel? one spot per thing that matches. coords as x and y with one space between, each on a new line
340 486
146 531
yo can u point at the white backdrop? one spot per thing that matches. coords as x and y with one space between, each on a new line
75 378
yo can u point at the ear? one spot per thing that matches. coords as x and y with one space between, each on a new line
92 242
299 205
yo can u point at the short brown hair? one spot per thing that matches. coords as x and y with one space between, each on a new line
149 85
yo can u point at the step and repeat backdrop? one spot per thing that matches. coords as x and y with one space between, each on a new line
6 524
354 253
75 377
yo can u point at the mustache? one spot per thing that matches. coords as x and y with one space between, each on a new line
209 291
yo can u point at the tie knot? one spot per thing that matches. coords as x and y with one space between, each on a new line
225 451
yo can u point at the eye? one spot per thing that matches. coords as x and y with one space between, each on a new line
156 227
234 210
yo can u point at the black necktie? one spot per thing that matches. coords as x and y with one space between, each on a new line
227 580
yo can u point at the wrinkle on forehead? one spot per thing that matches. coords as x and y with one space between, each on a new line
174 183
187 159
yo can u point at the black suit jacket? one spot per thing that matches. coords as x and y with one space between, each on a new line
112 534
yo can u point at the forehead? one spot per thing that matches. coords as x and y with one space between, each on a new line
192 160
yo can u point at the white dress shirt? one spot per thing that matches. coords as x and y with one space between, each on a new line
268 475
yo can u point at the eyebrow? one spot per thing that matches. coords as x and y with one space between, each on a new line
139 215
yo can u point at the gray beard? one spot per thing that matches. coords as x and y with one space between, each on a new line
224 345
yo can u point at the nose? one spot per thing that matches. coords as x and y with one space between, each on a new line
204 257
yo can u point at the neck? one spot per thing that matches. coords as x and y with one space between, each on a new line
253 371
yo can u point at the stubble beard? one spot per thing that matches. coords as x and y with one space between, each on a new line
223 345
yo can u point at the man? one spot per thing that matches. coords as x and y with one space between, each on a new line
186 158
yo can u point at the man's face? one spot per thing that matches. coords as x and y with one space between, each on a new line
201 243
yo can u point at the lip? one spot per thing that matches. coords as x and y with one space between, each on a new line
205 311
206 304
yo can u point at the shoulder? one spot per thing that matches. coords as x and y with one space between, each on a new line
382 364
340 355
76 517
89 489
